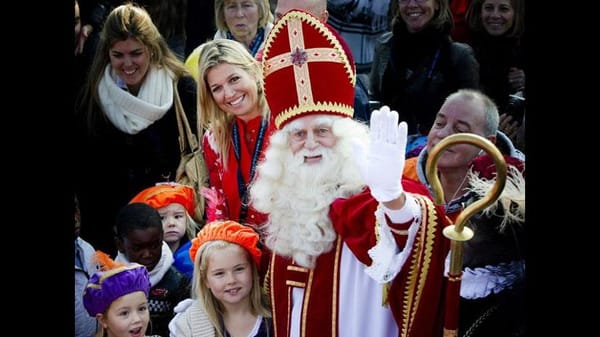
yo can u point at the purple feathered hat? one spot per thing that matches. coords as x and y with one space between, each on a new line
106 286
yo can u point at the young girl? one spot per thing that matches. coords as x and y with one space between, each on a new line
118 298
175 203
228 300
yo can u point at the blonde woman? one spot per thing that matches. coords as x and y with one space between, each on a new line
234 112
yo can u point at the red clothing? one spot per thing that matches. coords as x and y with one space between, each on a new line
460 32
224 180
416 295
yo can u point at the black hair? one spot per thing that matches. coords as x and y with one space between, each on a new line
134 216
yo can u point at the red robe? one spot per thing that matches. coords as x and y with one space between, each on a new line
416 295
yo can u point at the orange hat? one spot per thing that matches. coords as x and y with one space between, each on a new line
229 231
165 194
306 70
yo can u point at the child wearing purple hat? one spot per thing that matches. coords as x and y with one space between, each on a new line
118 298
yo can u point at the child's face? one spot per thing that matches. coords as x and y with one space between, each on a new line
127 316
174 222
229 275
143 246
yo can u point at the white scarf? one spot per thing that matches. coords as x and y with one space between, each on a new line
132 114
161 268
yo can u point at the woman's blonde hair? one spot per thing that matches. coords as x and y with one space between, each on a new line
210 116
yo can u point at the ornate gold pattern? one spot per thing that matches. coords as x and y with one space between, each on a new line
271 294
419 264
336 271
334 297
295 284
295 110
454 278
298 269
298 58
385 289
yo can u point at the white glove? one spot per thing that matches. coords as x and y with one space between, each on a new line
382 164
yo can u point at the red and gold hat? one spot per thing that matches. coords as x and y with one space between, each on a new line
165 194
306 70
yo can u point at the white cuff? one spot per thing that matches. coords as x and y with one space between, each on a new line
404 214
387 257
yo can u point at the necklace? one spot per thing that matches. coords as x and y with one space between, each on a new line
243 185
459 188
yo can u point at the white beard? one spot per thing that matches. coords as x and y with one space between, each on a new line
297 196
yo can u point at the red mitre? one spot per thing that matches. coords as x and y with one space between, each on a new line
306 70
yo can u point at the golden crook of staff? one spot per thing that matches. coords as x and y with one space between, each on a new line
457 232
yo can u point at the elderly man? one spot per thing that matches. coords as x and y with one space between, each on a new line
356 250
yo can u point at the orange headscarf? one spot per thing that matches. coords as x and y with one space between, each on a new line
165 194
229 231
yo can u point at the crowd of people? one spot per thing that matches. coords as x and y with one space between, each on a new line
316 130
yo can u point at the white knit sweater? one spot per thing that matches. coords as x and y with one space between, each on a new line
192 322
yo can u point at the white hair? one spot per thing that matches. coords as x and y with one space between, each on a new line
297 196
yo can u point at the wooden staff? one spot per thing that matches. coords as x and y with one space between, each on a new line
457 232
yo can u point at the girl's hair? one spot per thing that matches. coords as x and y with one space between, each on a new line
265 16
210 116
473 17
259 304
126 21
442 18
191 229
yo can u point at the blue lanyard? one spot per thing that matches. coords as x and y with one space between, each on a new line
242 185
256 42
433 63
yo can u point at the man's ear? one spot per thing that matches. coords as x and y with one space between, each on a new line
492 139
